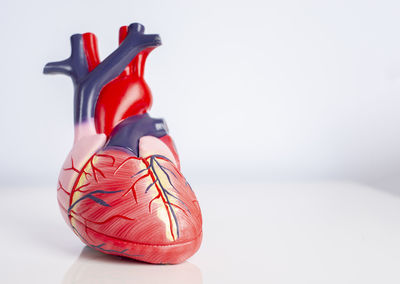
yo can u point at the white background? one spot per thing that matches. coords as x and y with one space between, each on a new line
285 114
251 90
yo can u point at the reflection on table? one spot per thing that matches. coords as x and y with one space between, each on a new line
95 267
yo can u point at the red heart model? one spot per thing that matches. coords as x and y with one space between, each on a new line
121 189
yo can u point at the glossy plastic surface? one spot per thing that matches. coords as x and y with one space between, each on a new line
120 188
126 95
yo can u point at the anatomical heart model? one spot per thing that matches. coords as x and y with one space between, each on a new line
121 189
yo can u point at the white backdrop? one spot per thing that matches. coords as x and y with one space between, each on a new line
251 90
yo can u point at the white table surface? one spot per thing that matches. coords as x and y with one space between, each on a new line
253 233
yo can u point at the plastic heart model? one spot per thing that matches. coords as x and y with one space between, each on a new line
121 189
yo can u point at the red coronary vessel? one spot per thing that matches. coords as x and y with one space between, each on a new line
121 188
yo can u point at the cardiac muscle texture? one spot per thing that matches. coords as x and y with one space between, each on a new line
121 189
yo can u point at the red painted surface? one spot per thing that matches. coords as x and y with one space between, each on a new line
91 51
141 208
126 95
